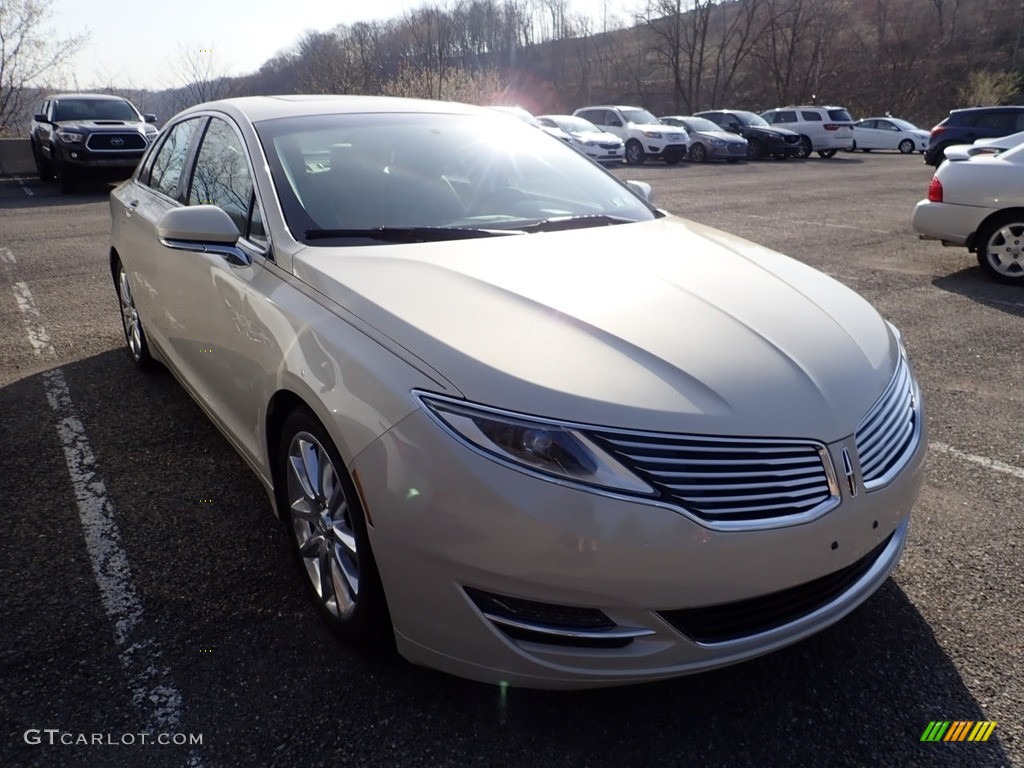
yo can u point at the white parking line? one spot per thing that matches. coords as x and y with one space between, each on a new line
139 654
984 461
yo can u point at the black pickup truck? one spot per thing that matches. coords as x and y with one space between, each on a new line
74 135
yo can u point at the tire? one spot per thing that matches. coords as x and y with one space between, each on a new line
827 153
635 153
327 529
1000 247
699 153
131 323
906 147
804 148
67 177
43 167
755 149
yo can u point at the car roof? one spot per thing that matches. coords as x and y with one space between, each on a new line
609 106
806 106
1006 108
85 97
259 108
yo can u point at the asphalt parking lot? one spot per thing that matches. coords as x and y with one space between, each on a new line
196 623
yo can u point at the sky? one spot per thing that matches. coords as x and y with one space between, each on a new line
139 45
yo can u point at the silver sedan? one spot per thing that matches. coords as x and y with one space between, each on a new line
513 416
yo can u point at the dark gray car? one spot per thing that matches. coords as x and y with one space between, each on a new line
708 141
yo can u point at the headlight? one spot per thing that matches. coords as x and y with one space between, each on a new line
536 445
716 142
70 137
652 134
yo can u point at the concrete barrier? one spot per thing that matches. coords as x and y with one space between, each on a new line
16 158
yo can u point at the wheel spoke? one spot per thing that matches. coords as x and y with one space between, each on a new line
312 547
303 509
345 572
328 581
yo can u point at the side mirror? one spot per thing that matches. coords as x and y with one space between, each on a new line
641 188
149 117
39 117
202 229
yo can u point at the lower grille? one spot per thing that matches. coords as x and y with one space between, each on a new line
610 146
733 621
737 149
116 142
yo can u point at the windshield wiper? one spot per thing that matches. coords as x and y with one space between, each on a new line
407 234
581 221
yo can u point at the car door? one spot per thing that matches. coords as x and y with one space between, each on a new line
866 134
218 330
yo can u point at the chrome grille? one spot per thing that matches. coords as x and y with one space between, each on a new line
731 483
887 436
115 142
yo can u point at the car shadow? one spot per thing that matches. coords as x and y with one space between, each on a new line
973 283
212 569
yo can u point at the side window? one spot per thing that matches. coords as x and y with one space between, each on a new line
811 117
593 116
1019 122
784 117
222 175
996 121
868 124
256 232
169 159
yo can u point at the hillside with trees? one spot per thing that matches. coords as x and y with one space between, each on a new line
913 58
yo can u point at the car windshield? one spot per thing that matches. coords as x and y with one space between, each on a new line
95 109
903 124
352 179
749 118
640 117
700 124
571 124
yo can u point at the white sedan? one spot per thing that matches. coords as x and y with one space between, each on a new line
596 144
977 204
514 417
993 146
889 133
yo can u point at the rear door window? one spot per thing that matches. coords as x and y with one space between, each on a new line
810 117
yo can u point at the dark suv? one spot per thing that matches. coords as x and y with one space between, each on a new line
73 135
963 126
763 140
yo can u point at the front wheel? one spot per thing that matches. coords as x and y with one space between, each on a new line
698 153
67 177
827 153
803 148
634 153
906 147
328 531
1001 249
755 149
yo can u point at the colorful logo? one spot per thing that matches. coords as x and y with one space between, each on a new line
958 730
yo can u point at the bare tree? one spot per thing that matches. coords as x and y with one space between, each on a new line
198 77
29 53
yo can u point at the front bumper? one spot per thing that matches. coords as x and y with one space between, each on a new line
445 518
85 159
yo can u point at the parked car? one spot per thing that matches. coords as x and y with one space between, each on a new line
958 152
979 204
525 116
594 143
77 135
643 135
503 421
889 133
707 140
965 126
763 140
824 130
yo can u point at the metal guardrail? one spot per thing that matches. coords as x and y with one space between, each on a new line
16 157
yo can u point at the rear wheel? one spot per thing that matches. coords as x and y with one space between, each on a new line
634 153
328 531
906 146
803 148
1001 249
698 153
134 334
827 153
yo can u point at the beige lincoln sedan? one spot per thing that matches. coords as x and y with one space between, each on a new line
512 415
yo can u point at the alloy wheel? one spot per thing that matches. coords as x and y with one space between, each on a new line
321 521
129 316
1004 251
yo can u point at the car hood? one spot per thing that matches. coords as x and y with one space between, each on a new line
97 126
664 325
771 130
723 136
668 130
598 136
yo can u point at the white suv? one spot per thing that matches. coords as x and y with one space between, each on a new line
824 130
643 134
